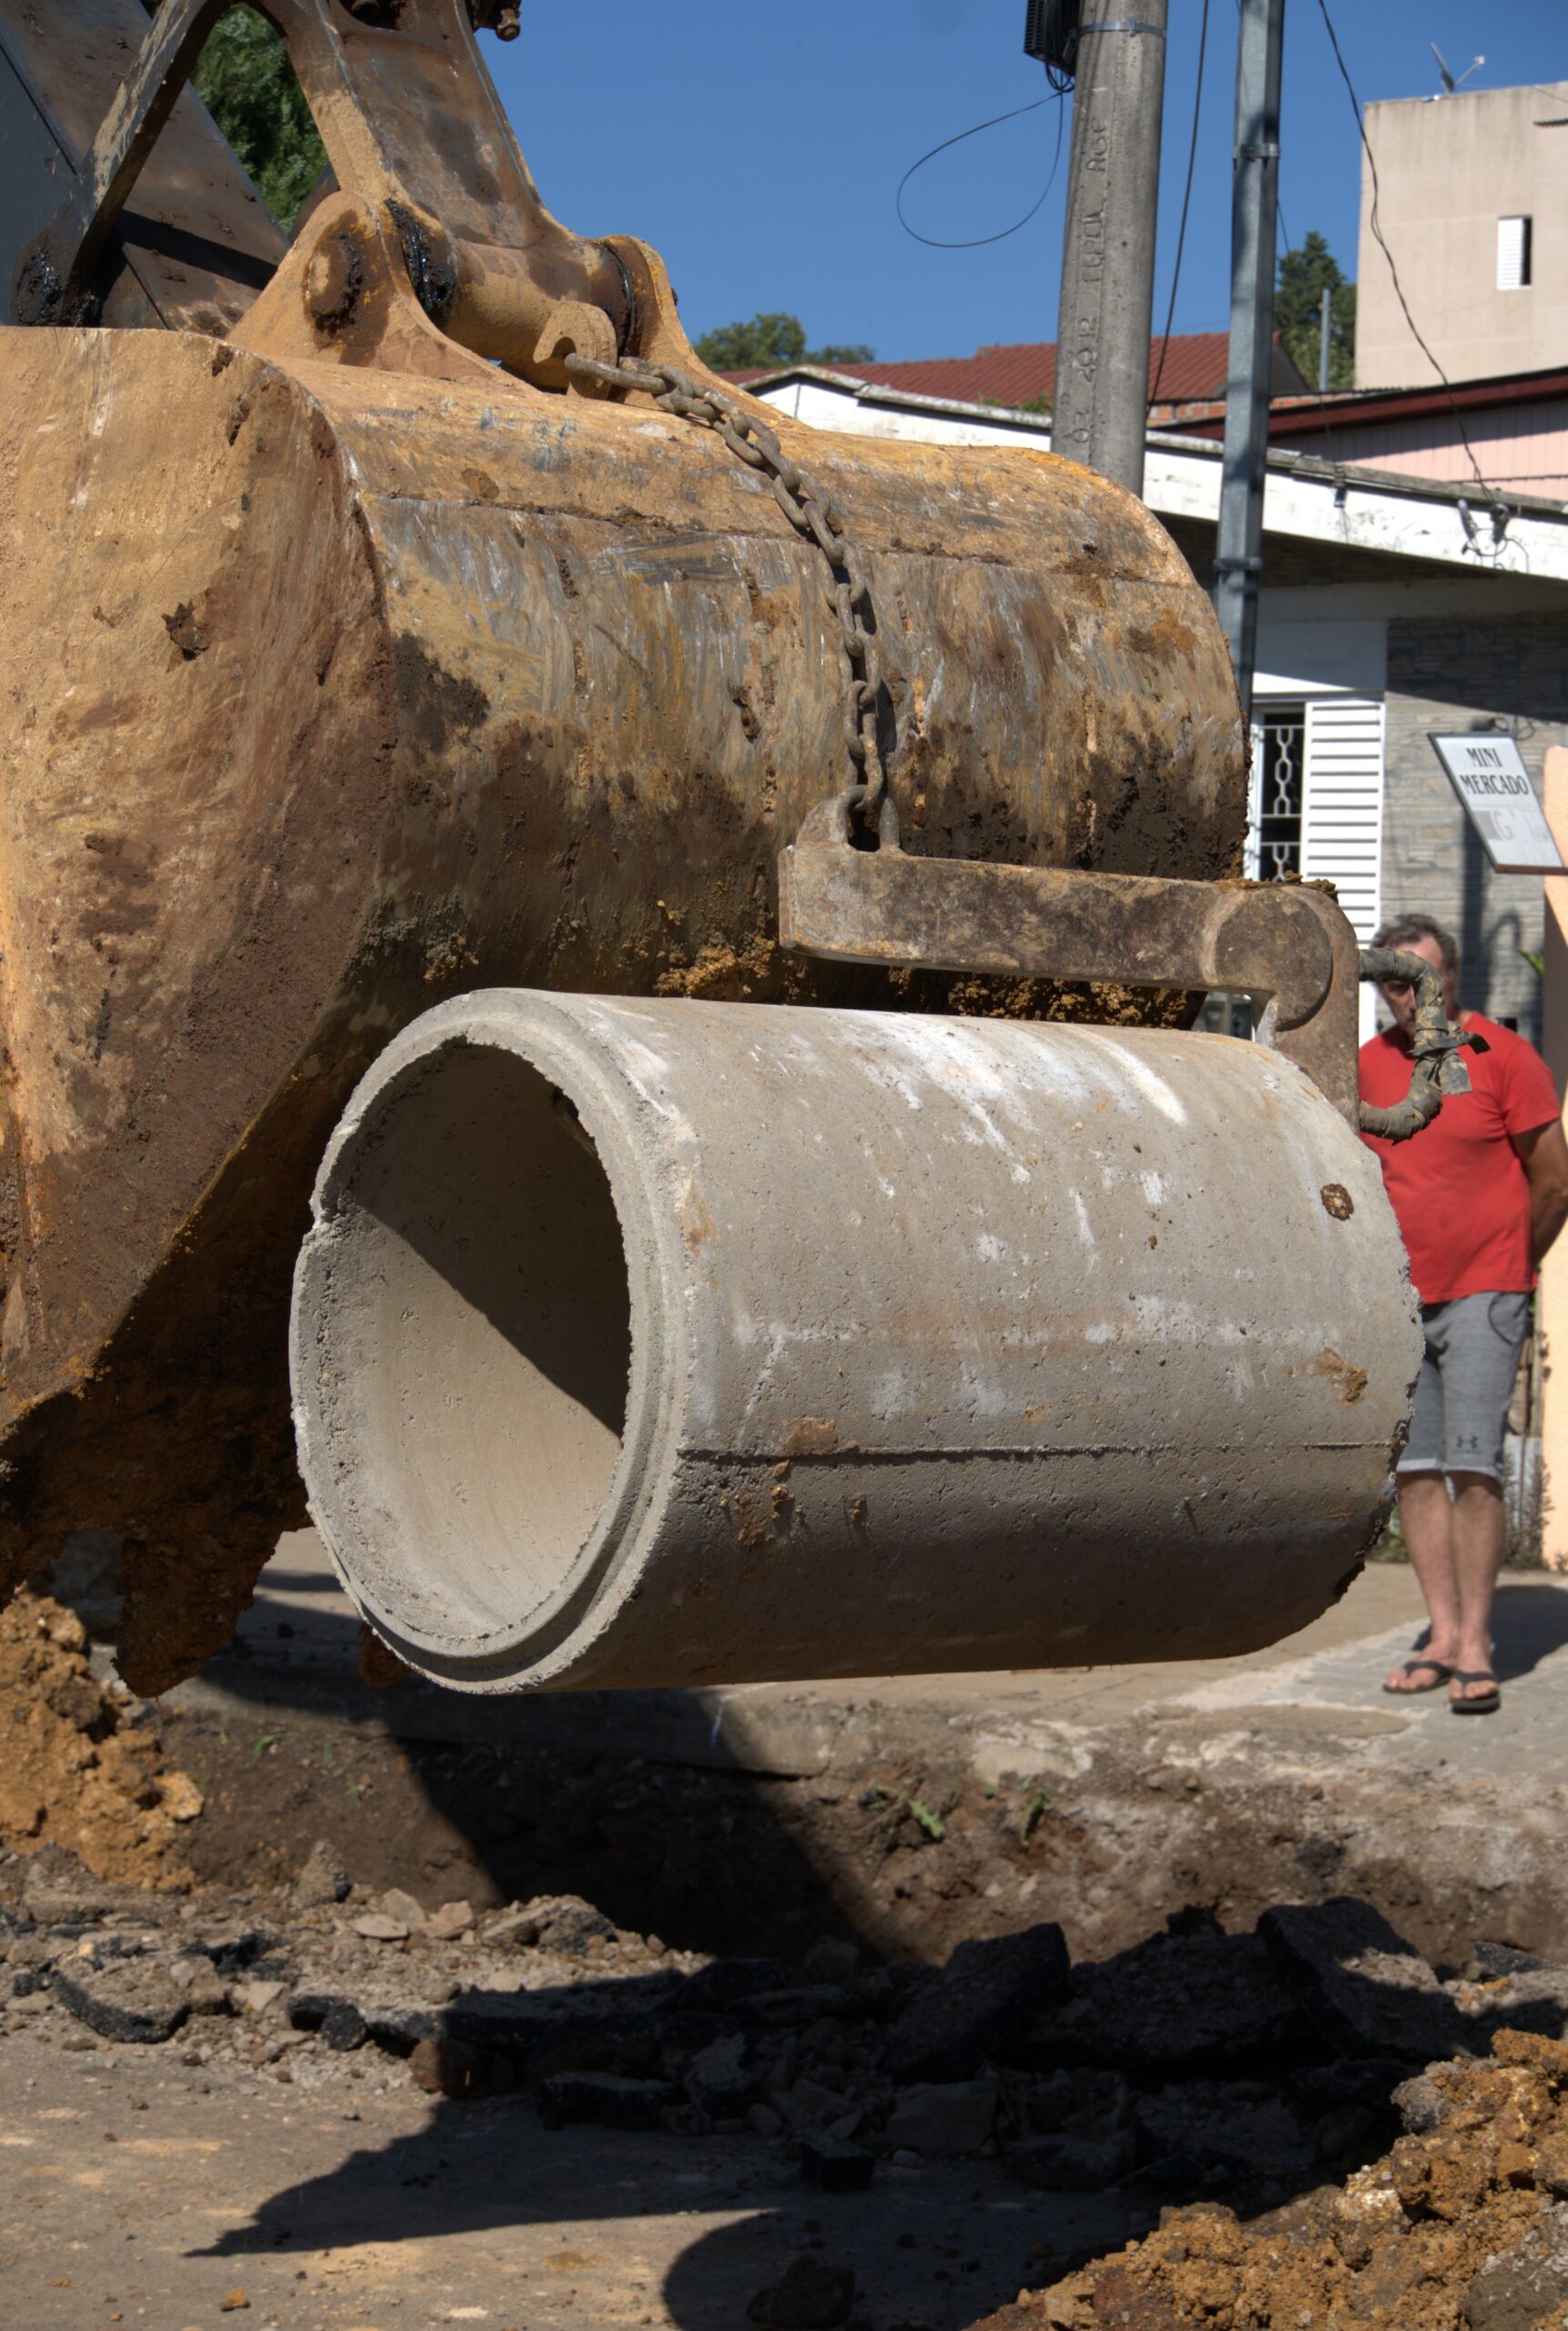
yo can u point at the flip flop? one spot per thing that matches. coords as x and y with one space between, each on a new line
1442 1671
1483 1703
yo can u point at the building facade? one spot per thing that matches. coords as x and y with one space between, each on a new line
1506 435
1472 199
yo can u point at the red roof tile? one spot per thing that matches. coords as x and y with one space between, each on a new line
1194 371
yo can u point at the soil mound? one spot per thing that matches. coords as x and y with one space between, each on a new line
82 1767
1461 2227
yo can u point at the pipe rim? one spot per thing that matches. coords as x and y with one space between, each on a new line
524 1026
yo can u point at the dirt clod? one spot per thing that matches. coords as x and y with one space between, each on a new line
82 1768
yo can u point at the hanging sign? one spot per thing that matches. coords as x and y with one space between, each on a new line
1492 781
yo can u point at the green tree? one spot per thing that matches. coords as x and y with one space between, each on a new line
772 340
244 78
1304 276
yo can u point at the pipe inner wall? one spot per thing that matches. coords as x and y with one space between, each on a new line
671 1342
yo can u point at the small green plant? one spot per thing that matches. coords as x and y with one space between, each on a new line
1034 1805
930 1821
264 1742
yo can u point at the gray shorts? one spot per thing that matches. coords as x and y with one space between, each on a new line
1465 1384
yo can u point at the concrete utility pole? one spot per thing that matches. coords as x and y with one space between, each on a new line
1552 1295
1108 263
1255 203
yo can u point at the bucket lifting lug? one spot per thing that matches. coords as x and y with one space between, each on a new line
1289 946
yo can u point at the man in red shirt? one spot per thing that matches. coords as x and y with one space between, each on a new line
1479 1195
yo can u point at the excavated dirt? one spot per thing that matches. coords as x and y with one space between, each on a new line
77 1770
1460 2226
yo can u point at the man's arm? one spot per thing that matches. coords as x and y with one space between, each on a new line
1544 1154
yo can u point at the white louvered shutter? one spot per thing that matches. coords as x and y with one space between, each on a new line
1342 804
1342 814
1513 254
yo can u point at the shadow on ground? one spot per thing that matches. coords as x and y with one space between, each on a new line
1197 2067
1528 1624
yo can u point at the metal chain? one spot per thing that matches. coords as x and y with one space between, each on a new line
806 506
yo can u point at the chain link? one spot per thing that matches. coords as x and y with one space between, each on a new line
806 506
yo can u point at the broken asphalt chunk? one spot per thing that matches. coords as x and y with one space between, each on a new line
603 2101
1177 2006
134 2000
977 2005
1365 1988
834 2166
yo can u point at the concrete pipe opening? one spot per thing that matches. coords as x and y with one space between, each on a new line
482 1322
645 1342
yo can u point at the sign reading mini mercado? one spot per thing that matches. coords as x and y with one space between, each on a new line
1494 784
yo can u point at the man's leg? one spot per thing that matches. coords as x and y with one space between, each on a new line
1427 1518
1477 1539
1484 1335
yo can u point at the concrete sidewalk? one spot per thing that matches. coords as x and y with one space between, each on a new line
297 1648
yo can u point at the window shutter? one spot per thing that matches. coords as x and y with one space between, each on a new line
1513 254
1343 814
1342 804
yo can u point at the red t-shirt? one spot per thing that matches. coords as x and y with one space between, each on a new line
1460 1195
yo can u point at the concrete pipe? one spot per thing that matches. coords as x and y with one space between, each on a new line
668 1342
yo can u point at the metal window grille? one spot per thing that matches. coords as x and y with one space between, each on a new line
1279 757
1274 816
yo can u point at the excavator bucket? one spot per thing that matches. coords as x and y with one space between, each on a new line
402 615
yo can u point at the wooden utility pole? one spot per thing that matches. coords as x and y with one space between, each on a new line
1101 407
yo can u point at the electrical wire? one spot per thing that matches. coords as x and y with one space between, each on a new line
1185 203
1493 499
973 242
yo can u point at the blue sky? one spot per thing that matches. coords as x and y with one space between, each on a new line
759 148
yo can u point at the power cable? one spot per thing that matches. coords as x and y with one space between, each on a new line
1185 203
973 242
1493 499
